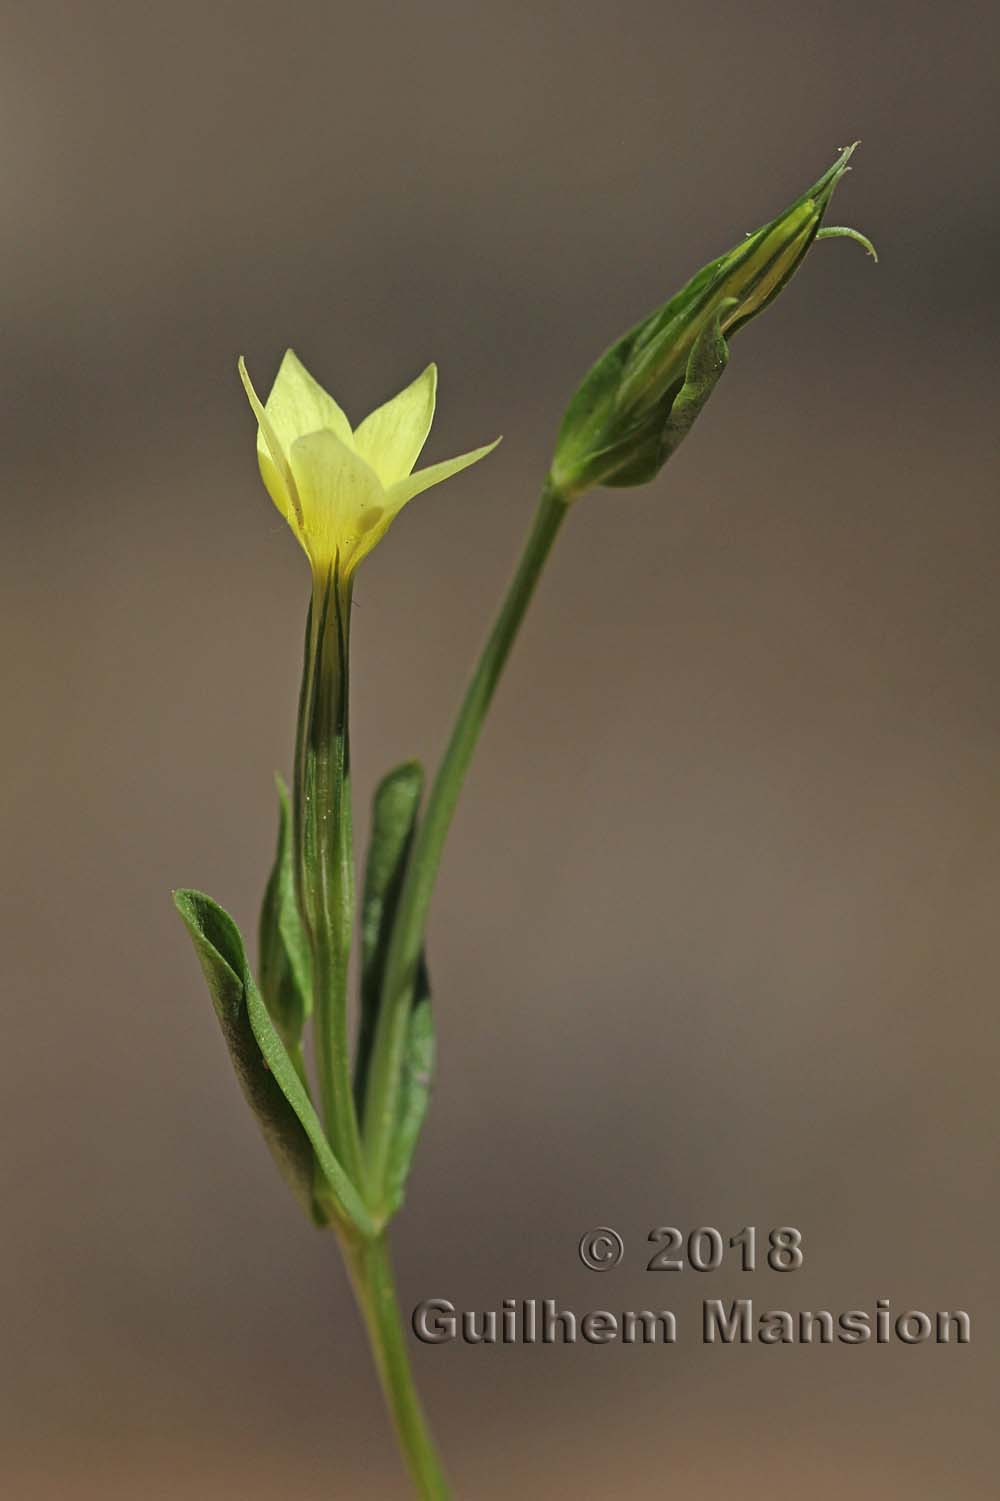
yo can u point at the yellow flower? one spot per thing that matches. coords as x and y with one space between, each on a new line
338 489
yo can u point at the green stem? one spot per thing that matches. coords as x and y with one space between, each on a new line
371 1273
324 854
411 917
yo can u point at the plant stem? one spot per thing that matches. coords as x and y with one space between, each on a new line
371 1273
324 854
408 930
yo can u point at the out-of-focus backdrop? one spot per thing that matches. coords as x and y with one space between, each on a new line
715 942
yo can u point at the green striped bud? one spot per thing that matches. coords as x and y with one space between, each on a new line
641 398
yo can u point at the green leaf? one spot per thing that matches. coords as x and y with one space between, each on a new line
394 814
415 1091
284 962
267 1075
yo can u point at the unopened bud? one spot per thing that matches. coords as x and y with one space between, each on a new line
641 398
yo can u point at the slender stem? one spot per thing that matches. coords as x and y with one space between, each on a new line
374 1287
324 854
411 917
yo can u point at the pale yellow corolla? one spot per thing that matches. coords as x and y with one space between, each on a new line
340 488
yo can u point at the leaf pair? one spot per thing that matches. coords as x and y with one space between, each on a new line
264 1031
271 1082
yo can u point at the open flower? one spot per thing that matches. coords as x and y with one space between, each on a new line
339 489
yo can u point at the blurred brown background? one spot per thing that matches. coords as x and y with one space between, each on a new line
716 937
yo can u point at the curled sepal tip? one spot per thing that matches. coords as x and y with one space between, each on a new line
844 232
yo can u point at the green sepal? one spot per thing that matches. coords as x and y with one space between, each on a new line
394 813
582 449
706 362
283 949
641 452
844 232
267 1076
611 442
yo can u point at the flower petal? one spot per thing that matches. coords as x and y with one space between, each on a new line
271 457
391 437
403 490
342 499
298 405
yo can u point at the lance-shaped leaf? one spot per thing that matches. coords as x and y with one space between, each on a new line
267 1076
415 1090
394 813
283 950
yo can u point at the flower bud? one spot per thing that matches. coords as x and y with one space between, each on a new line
641 398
